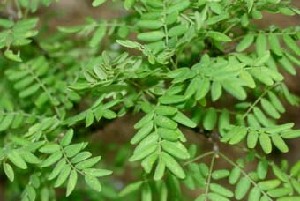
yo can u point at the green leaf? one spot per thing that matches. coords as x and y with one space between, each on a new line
159 170
220 174
146 193
144 152
247 77
275 44
148 162
242 188
292 58
265 143
245 43
280 174
6 23
30 158
192 87
81 156
171 99
217 188
98 36
234 175
202 197
151 36
261 117
261 44
254 194
235 89
73 29
288 198
88 163
279 143
29 91
49 148
30 192
149 24
165 110
291 134
239 133
9 172
276 102
109 114
163 192
279 128
216 90
295 169
269 108
262 59
216 197
143 121
97 172
287 66
57 169
292 44
296 185
101 74
184 120
128 4
260 75
203 169
252 121
224 121
172 165
10 55
176 149
269 184
218 36
129 44
250 5
98 2
45 194
165 122
93 183
280 192
210 119
72 182
89 120
178 30
63 175
180 6
142 133
203 89
73 149
262 169
168 134
6 122
16 159
130 188
66 140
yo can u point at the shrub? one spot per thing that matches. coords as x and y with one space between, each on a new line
198 65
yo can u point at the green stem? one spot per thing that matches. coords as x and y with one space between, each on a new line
212 163
199 157
245 174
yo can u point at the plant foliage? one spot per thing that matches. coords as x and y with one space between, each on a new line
198 65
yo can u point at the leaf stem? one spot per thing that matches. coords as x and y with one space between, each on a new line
245 174
212 163
199 157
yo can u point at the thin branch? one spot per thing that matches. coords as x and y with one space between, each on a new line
212 164
245 174
199 157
